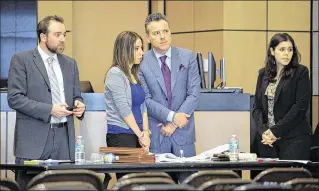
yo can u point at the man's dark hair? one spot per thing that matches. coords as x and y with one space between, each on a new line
154 17
44 24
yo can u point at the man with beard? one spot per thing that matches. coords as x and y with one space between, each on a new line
43 88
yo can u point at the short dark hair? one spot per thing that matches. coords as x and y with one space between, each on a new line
270 62
154 17
44 24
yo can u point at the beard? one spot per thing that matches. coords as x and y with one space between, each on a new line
57 49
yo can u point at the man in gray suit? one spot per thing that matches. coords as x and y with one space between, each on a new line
171 82
43 88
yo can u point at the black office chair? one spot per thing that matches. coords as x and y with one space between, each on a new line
261 187
3 84
280 175
164 187
145 175
315 145
201 177
68 186
6 184
314 150
223 184
67 176
304 184
128 184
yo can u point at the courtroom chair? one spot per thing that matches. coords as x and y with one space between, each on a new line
201 177
67 176
315 145
74 185
6 184
279 175
304 184
145 175
128 184
223 184
261 187
314 150
164 187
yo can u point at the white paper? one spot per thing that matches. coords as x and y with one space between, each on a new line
205 156
167 157
216 150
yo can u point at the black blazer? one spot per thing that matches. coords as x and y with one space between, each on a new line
292 99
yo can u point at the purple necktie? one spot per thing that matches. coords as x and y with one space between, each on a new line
167 78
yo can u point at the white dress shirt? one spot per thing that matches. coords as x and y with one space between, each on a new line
58 73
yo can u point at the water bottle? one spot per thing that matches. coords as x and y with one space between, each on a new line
234 149
79 150
110 158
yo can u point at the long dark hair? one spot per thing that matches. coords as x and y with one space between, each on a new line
270 62
123 54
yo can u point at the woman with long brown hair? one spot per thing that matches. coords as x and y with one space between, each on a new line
127 121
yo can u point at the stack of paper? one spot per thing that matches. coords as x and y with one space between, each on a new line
205 156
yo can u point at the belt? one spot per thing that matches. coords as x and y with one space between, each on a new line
59 125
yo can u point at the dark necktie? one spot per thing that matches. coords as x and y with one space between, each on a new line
167 78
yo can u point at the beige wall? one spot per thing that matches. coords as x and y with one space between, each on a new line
157 6
95 26
289 15
237 30
244 51
208 15
180 15
244 54
245 15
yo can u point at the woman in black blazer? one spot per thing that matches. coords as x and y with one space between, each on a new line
282 100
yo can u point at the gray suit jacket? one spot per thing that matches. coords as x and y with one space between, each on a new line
118 98
185 84
30 95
